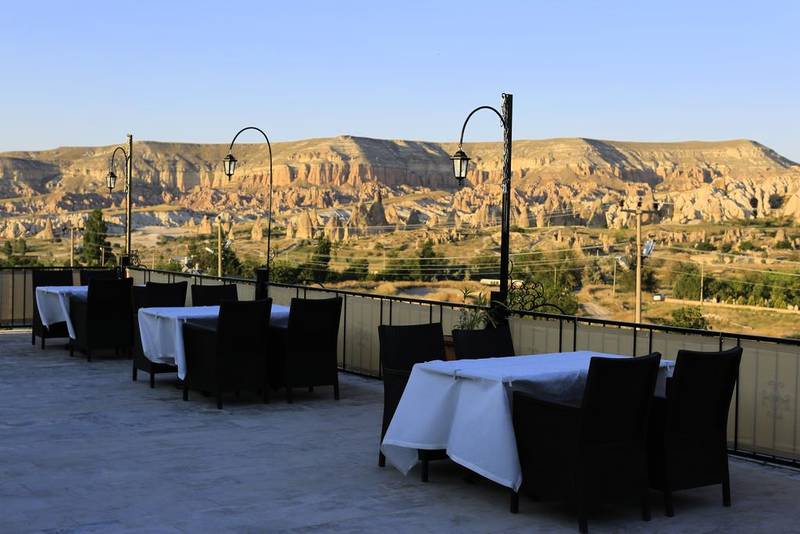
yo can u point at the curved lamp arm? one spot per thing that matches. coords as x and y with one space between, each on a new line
125 154
269 205
463 128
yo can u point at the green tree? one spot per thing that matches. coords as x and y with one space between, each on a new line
204 258
285 273
688 317
317 268
8 249
686 282
20 246
94 237
430 265
357 269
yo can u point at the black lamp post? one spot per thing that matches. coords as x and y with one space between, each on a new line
229 167
460 164
111 181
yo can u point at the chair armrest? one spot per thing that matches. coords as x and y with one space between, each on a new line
548 440
545 421
528 400
78 314
208 326
200 347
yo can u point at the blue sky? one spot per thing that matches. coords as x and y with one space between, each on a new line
86 73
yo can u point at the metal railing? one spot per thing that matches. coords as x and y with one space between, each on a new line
764 421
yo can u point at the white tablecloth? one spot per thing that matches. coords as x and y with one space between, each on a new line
464 407
53 304
161 330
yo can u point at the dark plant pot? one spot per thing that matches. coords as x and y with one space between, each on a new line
449 348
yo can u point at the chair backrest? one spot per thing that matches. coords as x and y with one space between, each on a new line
88 275
110 300
700 390
403 346
48 277
486 343
617 398
243 328
314 326
160 295
213 295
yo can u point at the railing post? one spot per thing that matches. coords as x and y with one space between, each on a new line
560 334
13 308
25 294
574 333
635 332
650 342
344 333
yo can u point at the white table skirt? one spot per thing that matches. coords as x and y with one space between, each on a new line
464 407
53 304
161 331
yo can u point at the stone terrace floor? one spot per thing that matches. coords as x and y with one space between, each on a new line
84 449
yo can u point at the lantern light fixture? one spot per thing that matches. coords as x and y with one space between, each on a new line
460 164
229 165
111 181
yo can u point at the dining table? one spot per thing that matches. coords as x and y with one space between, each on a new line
53 304
465 408
161 330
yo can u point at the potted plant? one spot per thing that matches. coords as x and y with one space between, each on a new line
469 318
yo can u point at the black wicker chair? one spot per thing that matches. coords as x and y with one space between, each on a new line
87 275
592 451
166 295
153 295
232 355
687 443
486 343
104 320
310 344
48 278
213 295
400 348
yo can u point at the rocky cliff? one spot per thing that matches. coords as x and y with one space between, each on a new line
557 181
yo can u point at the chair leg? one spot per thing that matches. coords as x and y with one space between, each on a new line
514 502
185 391
219 399
669 511
265 393
583 520
726 487
33 337
134 373
311 389
645 504
71 349
152 379
88 355
288 394
43 342
424 474
381 460
336 389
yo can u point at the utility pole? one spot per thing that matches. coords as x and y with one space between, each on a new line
219 246
702 281
72 246
614 283
639 211
102 256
